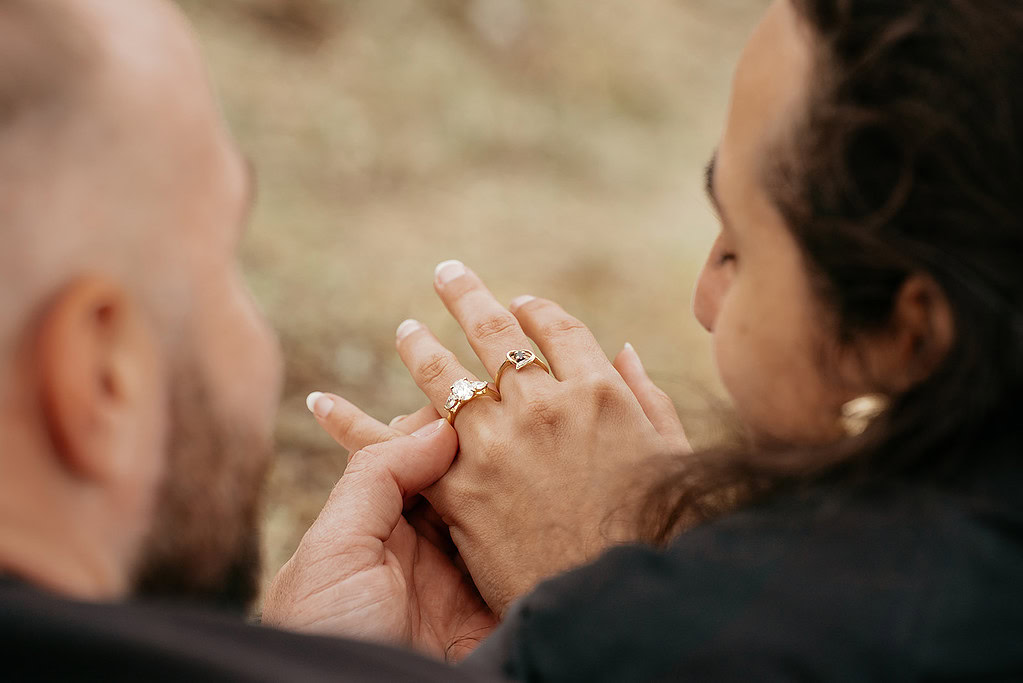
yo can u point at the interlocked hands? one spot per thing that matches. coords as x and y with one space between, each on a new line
543 480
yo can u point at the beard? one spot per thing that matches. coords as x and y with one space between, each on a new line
204 543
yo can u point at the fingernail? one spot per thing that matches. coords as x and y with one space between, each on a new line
429 429
448 271
319 404
396 420
632 349
407 328
521 301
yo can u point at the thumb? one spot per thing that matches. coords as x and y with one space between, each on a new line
369 499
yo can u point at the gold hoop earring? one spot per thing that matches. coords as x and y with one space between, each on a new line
858 413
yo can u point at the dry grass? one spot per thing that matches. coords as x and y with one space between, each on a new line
556 147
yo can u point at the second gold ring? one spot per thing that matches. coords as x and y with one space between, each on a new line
519 359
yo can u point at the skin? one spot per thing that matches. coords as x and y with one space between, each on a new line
138 382
546 478
133 295
595 423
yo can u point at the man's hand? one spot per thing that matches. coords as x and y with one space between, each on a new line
367 570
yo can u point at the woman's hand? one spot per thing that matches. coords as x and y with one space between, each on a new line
368 570
544 477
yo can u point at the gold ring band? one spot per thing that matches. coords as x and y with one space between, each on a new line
465 391
519 359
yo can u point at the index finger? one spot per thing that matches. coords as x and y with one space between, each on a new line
350 427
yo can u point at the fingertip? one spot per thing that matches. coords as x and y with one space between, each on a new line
627 354
407 328
442 429
320 404
630 350
448 271
323 406
519 302
430 429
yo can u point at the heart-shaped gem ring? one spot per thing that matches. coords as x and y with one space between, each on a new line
465 390
519 359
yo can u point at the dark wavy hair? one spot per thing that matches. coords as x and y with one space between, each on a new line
907 159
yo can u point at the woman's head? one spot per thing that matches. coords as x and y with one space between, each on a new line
870 187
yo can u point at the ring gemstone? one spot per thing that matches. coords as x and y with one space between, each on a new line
521 358
464 390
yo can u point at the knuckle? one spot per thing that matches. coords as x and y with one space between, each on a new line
542 414
434 367
486 431
494 327
491 454
359 462
562 327
363 466
599 383
604 392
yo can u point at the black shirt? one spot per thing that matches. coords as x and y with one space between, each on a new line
899 583
902 582
44 638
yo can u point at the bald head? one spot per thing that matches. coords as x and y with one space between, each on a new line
106 124
46 63
138 383
43 56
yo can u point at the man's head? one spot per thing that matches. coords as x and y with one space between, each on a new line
137 380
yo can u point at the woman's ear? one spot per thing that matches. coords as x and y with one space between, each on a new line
98 375
921 333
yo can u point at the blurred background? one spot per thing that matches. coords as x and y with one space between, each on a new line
555 146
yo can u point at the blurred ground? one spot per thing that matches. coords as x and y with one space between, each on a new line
555 146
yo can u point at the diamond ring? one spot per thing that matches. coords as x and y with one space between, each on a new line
465 390
519 359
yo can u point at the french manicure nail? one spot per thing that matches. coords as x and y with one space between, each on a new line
320 404
448 271
521 301
429 429
407 328
632 349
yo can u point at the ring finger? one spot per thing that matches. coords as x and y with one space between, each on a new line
432 366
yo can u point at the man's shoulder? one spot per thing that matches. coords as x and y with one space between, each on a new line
45 637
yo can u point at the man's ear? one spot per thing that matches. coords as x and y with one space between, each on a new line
921 333
96 362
